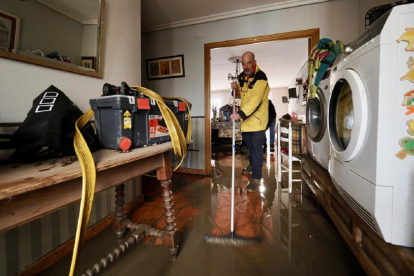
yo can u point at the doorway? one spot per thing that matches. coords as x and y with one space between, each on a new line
312 35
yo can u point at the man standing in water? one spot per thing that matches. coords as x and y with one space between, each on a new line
254 91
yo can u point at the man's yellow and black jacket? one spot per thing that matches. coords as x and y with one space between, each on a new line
254 92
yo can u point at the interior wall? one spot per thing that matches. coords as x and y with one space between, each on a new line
224 95
63 36
190 41
276 95
90 40
364 6
295 104
21 82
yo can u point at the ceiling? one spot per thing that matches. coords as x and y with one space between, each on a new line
164 14
280 60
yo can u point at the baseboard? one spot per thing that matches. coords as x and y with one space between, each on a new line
54 256
191 171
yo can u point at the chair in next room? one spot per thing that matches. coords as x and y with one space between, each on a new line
282 132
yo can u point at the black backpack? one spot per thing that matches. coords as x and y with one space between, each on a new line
49 128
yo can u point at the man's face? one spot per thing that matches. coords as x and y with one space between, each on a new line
248 64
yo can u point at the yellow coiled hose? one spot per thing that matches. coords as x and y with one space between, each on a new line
89 170
88 184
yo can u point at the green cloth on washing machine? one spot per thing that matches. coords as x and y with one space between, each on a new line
322 56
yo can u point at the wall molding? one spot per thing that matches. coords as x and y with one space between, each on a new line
233 14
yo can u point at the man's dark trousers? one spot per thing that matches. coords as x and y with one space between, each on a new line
254 142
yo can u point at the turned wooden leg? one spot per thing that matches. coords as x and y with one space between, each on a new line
119 219
171 236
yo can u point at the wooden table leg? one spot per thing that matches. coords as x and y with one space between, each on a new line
170 236
119 220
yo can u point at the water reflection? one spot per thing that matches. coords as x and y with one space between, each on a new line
296 238
289 208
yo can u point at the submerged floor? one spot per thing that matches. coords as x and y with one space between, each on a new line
297 237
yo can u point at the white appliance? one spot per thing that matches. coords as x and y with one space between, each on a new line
316 121
367 123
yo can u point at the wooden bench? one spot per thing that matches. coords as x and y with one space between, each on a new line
31 190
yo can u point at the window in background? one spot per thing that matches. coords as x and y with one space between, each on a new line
215 103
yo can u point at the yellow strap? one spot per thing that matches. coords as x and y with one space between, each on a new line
187 103
88 164
314 63
313 92
176 133
88 184
341 44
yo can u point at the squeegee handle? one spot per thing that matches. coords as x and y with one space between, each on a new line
232 164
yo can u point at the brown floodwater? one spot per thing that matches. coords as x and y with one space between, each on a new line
293 235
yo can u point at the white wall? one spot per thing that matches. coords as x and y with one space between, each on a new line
20 82
366 5
276 95
64 35
295 104
224 95
336 20
90 40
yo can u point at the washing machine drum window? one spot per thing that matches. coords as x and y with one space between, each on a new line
347 115
342 114
316 116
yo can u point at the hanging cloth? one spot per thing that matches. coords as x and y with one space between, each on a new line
322 56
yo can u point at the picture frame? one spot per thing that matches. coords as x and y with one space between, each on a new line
9 32
88 62
165 67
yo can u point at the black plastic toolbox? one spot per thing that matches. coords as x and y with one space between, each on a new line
114 119
149 125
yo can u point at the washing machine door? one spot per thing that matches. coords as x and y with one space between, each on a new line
316 110
347 115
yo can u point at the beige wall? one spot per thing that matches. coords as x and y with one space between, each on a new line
21 83
276 95
295 105
364 6
41 34
336 20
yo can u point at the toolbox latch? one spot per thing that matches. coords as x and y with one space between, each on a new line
131 99
143 104
181 106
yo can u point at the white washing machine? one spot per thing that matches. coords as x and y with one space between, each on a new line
372 143
316 121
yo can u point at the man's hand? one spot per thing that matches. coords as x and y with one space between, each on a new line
234 85
235 116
